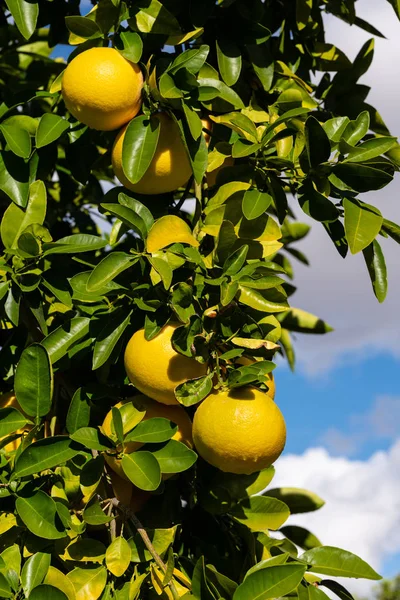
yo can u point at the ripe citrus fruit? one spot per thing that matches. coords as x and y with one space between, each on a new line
129 408
239 430
6 401
102 89
170 167
155 368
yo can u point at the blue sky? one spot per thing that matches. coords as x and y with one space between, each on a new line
342 405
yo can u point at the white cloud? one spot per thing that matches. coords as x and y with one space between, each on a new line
381 422
362 510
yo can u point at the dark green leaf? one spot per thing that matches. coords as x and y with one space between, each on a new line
174 457
152 430
357 129
301 537
82 26
5 589
34 381
362 223
317 142
235 261
298 500
194 391
271 582
45 454
50 128
375 261
25 14
151 16
303 322
229 60
47 592
18 139
15 177
91 438
109 337
255 203
11 420
39 514
94 515
72 244
340 563
34 571
262 63
392 229
338 589
59 341
132 46
139 146
112 265
79 412
142 469
192 60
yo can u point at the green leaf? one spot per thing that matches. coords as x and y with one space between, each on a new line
375 261
167 87
94 515
34 571
255 203
139 146
193 120
223 91
59 341
18 139
47 592
163 269
263 64
92 438
258 301
396 6
357 129
303 12
89 582
150 16
334 128
160 538
25 14
337 562
303 322
229 60
235 261
34 381
45 454
174 457
316 205
194 391
112 265
50 128
392 229
140 209
271 582
142 469
11 420
338 589
128 216
16 220
362 223
317 142
109 337
72 244
192 60
152 430
300 536
39 514
118 556
259 513
370 149
82 27
5 589
298 500
132 46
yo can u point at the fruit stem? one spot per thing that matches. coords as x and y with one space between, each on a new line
147 542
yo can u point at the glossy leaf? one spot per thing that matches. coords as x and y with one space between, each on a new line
88 583
362 223
78 412
255 203
5 588
272 582
337 562
259 513
376 265
50 128
139 146
112 265
194 391
301 321
34 381
371 149
132 46
59 341
34 571
362 178
317 142
94 515
298 500
18 139
118 556
60 581
156 429
91 438
160 538
25 15
174 457
109 337
15 220
72 244
300 536
47 592
142 469
10 420
39 514
229 60
45 454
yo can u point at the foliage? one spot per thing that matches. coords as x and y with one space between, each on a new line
71 294
389 589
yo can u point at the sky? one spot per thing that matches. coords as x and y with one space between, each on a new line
342 404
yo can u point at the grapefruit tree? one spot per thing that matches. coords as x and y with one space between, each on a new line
130 311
